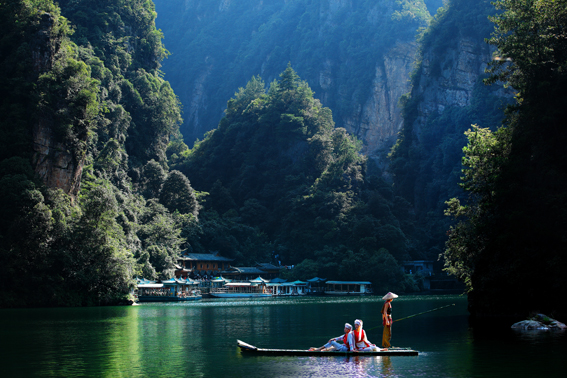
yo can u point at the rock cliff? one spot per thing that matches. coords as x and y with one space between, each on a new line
53 161
378 121
449 80
54 164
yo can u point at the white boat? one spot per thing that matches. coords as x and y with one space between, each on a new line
160 292
241 290
348 288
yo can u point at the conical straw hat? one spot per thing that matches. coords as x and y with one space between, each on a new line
389 296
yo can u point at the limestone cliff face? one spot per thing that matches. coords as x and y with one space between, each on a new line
378 121
53 162
451 80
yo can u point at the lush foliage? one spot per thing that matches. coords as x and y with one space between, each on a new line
278 165
485 154
510 244
85 73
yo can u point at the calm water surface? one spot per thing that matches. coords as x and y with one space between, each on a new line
198 339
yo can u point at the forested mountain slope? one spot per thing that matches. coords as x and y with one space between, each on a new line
86 118
357 56
277 163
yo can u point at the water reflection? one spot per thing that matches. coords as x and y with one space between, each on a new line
368 366
199 340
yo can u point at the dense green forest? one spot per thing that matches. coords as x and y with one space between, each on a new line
89 200
333 45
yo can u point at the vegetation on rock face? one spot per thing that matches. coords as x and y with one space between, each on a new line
510 242
277 164
426 160
86 74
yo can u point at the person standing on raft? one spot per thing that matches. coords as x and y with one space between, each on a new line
361 342
333 344
387 319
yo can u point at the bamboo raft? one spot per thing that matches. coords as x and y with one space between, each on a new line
252 350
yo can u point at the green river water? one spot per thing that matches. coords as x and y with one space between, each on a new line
198 339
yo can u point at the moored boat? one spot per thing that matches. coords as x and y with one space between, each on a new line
172 290
252 350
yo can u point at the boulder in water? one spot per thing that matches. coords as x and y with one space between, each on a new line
539 322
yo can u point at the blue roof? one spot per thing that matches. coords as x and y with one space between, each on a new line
189 281
294 283
317 279
278 280
179 281
259 279
144 281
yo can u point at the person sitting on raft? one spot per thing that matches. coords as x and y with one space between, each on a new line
361 343
333 344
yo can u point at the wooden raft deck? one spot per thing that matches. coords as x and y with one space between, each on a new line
252 350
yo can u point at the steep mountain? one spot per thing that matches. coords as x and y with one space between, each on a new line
357 56
447 96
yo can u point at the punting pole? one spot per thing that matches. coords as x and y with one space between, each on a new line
424 312
420 313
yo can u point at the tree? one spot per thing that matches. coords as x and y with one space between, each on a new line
485 154
154 177
279 173
177 194
289 79
70 82
101 266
